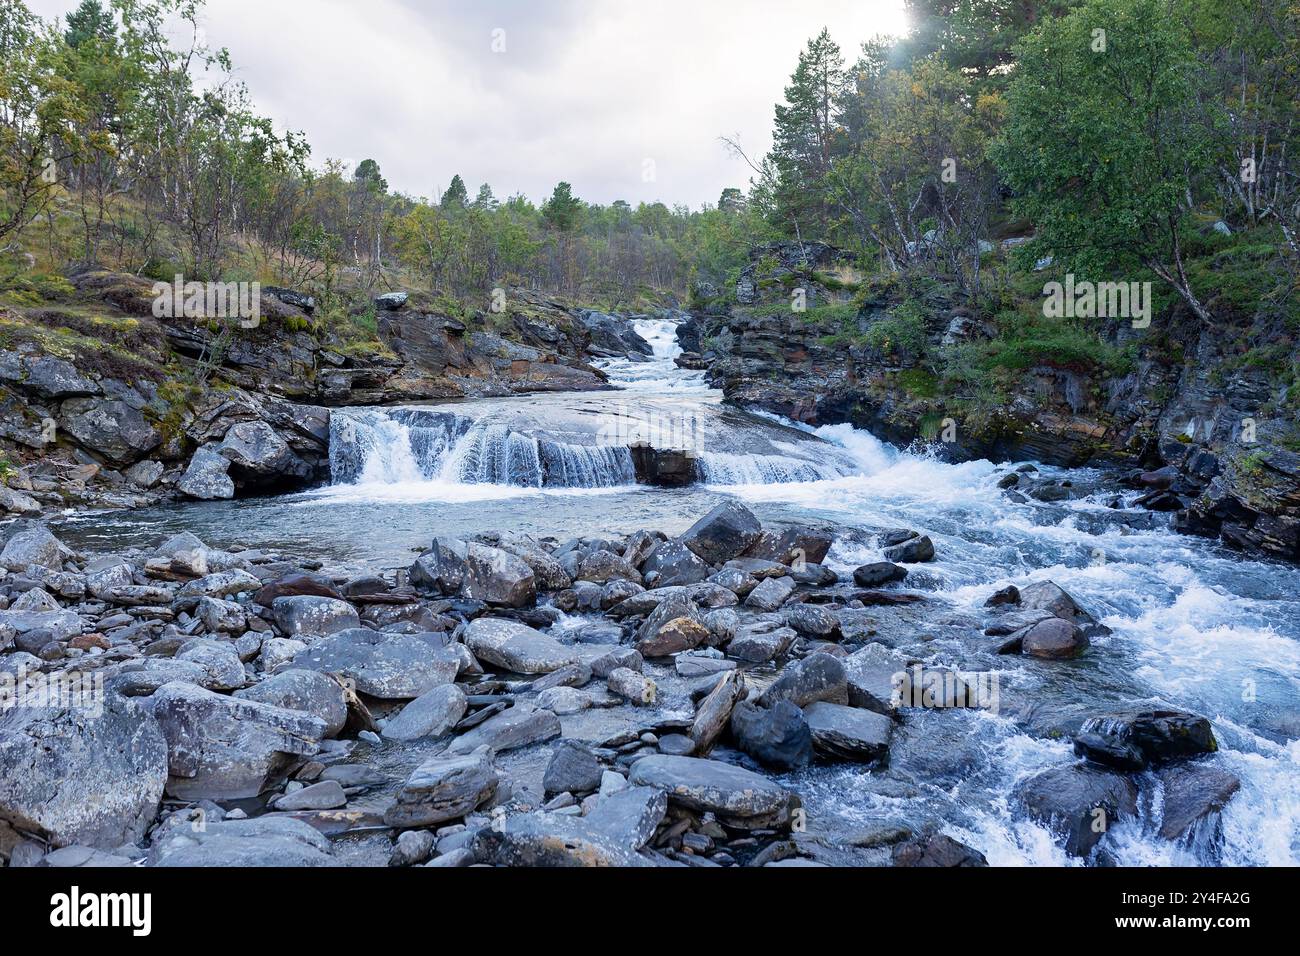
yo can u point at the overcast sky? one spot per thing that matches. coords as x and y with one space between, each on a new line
625 99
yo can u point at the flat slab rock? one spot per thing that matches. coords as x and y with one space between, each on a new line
444 788
269 840
519 726
516 647
739 797
381 664
848 733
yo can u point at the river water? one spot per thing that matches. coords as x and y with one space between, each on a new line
1194 626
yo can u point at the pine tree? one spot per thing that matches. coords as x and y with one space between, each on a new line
456 196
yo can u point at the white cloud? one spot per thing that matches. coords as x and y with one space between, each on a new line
586 91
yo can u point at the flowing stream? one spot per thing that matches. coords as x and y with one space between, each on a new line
1193 626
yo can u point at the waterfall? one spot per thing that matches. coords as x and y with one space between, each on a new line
718 468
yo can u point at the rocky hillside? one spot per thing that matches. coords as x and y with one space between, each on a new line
1201 416
103 404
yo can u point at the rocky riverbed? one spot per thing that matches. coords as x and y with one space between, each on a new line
631 700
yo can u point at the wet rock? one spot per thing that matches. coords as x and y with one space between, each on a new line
632 686
1194 795
384 665
739 798
476 571
444 788
302 690
1109 751
520 726
714 712
776 736
913 551
1079 803
881 572
1053 639
875 676
602 567
326 795
563 701
1159 736
610 835
412 848
296 585
615 658
266 841
723 533
796 545
936 850
516 647
1050 597
81 776
675 564
761 642
672 627
697 665
207 476
848 733
573 769
770 594
812 621
260 459
818 677
228 748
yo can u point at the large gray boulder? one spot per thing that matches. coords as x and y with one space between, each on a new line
430 715
207 476
723 533
381 664
776 736
228 748
33 545
876 676
77 776
310 692
818 677
848 733
739 798
1079 803
260 458
113 429
516 647
675 564
308 616
444 788
271 840
519 726
477 571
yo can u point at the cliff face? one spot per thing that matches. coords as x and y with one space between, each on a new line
103 403
1183 409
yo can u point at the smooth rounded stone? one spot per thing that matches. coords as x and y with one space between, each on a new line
83 857
816 575
848 733
722 624
714 711
383 665
735 580
916 550
739 798
1159 736
1053 639
632 686
219 616
1194 796
225 671
761 642
1110 751
520 726
770 594
1079 803
432 714
454 858
617 826
516 647
812 621
935 850
571 675
352 776
874 676
1049 597
326 795
475 571
615 658
573 768
723 533
444 788
675 564
307 691
89 776
676 745
617 591
672 627
278 651
601 567
697 665
1015 621
878 573
228 748
265 841
563 701
818 677
34 545
309 616
793 545
412 848
776 736
1008 595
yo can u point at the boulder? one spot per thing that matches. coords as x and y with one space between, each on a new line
714 713
1050 597
776 736
739 798
516 647
326 795
302 690
33 545
672 627
1194 796
219 660
444 788
935 850
228 748
432 714
82 776
296 585
913 551
875 677
602 567
475 571
723 533
675 564
881 572
265 841
519 726
848 733
1079 803
260 459
113 429
207 476
818 677
812 621
770 594
761 642
796 545
1053 639
382 664
306 616
1146 737
573 769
